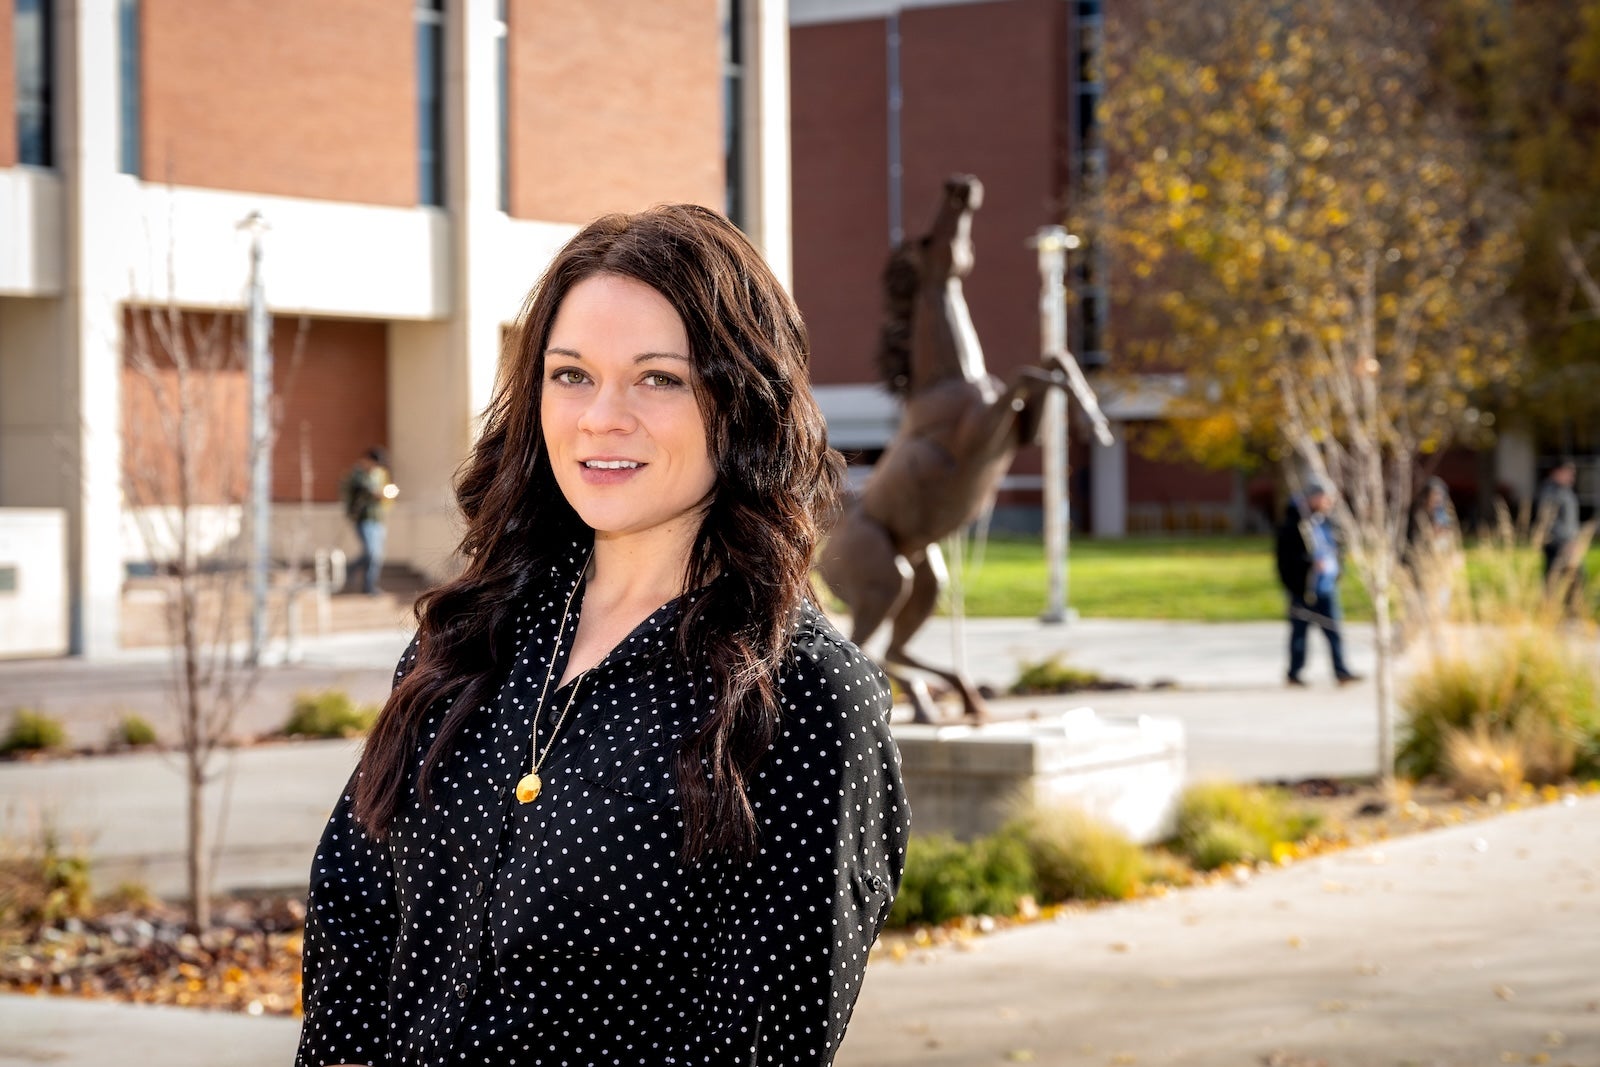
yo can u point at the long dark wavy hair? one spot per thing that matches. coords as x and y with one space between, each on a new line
775 478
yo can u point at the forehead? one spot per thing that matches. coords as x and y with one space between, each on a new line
612 314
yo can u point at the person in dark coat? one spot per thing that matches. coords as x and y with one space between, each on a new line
1310 562
633 799
1557 516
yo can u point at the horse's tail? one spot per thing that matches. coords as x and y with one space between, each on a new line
901 277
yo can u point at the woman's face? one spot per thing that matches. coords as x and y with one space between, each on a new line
621 423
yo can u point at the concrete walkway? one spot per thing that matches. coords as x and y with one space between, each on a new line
270 800
1468 946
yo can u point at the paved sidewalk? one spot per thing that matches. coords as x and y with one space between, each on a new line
127 810
1468 946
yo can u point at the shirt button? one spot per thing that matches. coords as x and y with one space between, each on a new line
477 890
462 989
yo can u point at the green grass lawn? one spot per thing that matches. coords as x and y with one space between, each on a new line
1213 579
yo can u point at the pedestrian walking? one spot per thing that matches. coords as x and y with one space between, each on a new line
367 494
1310 563
633 799
1557 516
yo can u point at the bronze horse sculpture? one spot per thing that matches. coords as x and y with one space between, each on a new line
960 429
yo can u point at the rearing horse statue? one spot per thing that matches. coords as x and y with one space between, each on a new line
959 431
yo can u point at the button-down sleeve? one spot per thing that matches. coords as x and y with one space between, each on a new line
795 925
352 920
351 923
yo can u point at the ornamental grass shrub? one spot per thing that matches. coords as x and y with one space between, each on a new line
133 731
1530 694
1220 823
1510 692
1053 676
946 879
43 885
328 714
32 731
1076 857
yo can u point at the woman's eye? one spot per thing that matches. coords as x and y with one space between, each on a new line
661 380
567 376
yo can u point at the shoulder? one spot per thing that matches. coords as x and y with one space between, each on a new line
827 684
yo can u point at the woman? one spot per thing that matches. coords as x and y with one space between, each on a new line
632 800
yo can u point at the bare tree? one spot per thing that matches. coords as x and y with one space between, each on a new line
186 473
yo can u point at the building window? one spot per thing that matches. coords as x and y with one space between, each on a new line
733 109
1089 164
502 76
35 68
430 101
128 98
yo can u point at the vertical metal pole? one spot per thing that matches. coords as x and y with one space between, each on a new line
896 101
1052 243
258 333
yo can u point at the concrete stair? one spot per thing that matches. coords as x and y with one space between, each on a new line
148 607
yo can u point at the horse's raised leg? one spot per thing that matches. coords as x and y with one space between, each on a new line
928 577
861 566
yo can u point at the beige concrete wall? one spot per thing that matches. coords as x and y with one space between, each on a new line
431 429
37 423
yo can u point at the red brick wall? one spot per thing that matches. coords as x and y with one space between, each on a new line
614 106
336 399
1165 480
979 87
297 97
838 115
8 88
333 397
981 96
160 429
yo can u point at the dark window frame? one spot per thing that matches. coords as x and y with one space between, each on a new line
431 153
34 54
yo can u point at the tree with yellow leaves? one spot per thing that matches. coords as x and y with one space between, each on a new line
1528 75
1299 223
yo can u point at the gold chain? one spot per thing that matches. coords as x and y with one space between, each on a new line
529 785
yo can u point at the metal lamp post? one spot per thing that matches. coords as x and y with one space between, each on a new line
258 335
1053 243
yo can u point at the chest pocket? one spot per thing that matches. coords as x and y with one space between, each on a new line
632 757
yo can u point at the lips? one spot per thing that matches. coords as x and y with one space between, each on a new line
608 470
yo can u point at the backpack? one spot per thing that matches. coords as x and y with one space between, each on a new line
355 494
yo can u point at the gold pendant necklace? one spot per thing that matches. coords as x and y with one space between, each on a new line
529 785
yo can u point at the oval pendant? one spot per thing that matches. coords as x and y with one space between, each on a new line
528 788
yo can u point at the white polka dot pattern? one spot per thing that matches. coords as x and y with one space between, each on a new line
566 931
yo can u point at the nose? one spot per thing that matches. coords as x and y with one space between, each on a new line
607 412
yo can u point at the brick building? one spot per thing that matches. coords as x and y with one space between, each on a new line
416 165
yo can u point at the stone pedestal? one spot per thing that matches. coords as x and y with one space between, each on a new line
968 780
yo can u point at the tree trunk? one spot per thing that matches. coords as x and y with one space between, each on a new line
195 751
1384 632
199 876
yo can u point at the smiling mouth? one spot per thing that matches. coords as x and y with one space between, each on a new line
611 464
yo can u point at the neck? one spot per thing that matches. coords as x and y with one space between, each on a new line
646 568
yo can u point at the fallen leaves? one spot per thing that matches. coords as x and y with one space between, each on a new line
250 962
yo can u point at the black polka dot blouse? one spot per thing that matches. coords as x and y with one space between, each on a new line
566 931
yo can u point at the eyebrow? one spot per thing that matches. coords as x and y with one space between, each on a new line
642 357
